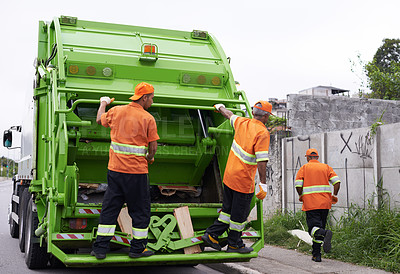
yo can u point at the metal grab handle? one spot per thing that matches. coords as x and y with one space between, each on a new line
219 130
92 101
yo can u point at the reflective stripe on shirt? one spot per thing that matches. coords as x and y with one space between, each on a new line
233 119
128 149
106 230
245 157
262 156
316 189
334 180
298 183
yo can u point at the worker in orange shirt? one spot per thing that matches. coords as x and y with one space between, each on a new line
313 186
133 145
248 153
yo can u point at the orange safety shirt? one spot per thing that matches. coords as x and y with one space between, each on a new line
315 179
132 129
250 145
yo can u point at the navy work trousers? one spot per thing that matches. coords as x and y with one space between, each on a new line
237 205
135 191
317 218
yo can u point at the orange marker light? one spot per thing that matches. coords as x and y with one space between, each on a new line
216 81
73 69
149 49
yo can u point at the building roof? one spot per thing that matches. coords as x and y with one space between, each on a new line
333 89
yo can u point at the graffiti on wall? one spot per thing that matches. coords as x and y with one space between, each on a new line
363 148
298 163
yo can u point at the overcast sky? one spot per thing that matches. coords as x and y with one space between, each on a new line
277 47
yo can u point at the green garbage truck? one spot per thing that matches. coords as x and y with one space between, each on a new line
58 191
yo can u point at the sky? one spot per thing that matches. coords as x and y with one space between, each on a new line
276 47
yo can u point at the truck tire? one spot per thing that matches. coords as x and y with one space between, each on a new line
14 227
36 256
23 202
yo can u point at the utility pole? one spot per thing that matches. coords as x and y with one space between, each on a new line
8 157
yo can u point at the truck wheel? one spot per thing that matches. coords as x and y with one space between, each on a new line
23 201
55 263
36 256
14 228
13 208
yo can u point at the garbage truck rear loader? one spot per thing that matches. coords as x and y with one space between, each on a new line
57 194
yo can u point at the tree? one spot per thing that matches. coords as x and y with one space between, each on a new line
383 71
388 53
276 123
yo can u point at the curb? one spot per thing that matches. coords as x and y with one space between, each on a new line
232 268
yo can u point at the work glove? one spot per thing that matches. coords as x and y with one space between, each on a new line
107 100
218 106
334 199
301 198
263 191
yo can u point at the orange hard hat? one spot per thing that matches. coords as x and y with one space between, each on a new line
142 89
312 152
264 106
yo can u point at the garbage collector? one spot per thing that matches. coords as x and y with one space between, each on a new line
133 145
249 153
313 186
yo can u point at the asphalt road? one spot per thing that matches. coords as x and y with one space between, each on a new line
12 260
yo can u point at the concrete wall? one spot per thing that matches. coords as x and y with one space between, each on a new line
358 158
314 114
273 201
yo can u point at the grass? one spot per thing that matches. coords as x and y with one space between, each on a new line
369 237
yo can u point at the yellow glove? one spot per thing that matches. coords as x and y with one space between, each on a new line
334 200
263 192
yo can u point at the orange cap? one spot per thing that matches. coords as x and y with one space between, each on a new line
264 106
312 152
142 89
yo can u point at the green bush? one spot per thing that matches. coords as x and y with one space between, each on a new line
276 229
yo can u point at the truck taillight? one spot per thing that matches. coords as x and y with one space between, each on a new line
77 223
91 70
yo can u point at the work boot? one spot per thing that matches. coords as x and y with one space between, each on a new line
243 249
327 241
144 253
316 258
211 241
98 256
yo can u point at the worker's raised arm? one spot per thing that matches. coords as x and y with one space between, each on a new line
104 102
226 113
